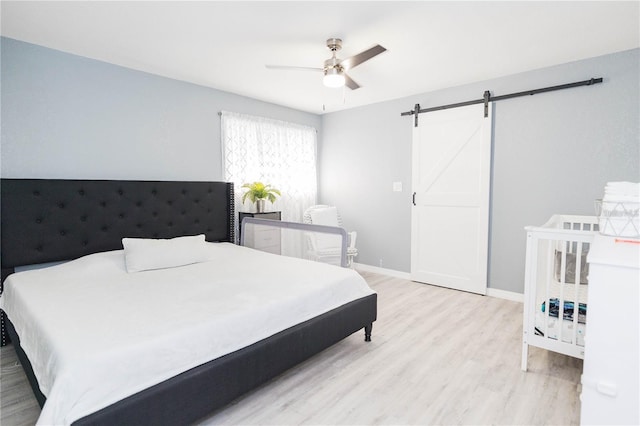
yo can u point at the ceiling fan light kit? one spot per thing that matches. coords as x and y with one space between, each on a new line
334 68
333 77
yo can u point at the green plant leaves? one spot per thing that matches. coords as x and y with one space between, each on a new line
259 191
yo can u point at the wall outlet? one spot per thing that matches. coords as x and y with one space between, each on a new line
380 263
397 186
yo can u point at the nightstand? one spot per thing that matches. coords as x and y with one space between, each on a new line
261 238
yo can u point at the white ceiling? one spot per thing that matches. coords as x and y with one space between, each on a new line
225 45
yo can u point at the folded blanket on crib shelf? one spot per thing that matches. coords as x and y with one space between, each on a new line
622 191
567 314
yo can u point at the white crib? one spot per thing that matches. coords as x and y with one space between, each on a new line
555 302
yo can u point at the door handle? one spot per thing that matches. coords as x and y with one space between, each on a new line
414 199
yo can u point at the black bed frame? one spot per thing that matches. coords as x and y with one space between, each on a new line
55 220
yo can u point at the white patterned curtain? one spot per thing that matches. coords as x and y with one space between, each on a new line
273 152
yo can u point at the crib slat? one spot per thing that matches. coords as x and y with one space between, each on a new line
576 288
566 247
547 300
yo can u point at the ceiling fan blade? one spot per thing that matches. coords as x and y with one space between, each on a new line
286 67
350 83
356 60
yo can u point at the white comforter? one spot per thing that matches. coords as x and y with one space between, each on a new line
96 334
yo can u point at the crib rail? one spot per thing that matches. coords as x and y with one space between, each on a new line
560 223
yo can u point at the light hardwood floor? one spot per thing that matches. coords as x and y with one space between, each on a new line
438 356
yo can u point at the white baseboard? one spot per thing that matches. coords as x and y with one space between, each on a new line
491 292
504 294
383 271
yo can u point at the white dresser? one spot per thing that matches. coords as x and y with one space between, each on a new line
611 375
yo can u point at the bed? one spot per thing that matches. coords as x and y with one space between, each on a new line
57 220
556 285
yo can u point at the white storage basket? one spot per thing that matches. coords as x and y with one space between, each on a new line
556 278
619 219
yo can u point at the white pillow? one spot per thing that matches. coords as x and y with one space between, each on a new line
142 254
326 216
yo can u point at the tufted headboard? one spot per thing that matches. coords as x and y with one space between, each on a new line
47 220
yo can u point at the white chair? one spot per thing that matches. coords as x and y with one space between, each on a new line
323 247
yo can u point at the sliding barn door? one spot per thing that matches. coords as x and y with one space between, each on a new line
450 216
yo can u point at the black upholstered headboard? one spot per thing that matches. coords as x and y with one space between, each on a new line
47 220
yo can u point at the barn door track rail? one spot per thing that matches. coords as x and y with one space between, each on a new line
486 98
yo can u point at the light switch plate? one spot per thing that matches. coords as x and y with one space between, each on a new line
397 186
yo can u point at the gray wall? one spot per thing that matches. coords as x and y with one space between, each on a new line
65 116
552 153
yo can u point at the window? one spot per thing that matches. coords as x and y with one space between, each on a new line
274 152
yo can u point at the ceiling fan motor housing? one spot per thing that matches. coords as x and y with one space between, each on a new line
332 63
334 44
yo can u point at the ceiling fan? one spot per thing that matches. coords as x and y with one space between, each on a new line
334 69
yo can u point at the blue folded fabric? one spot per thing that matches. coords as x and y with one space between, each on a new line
567 313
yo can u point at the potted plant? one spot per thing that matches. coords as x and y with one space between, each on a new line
258 192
